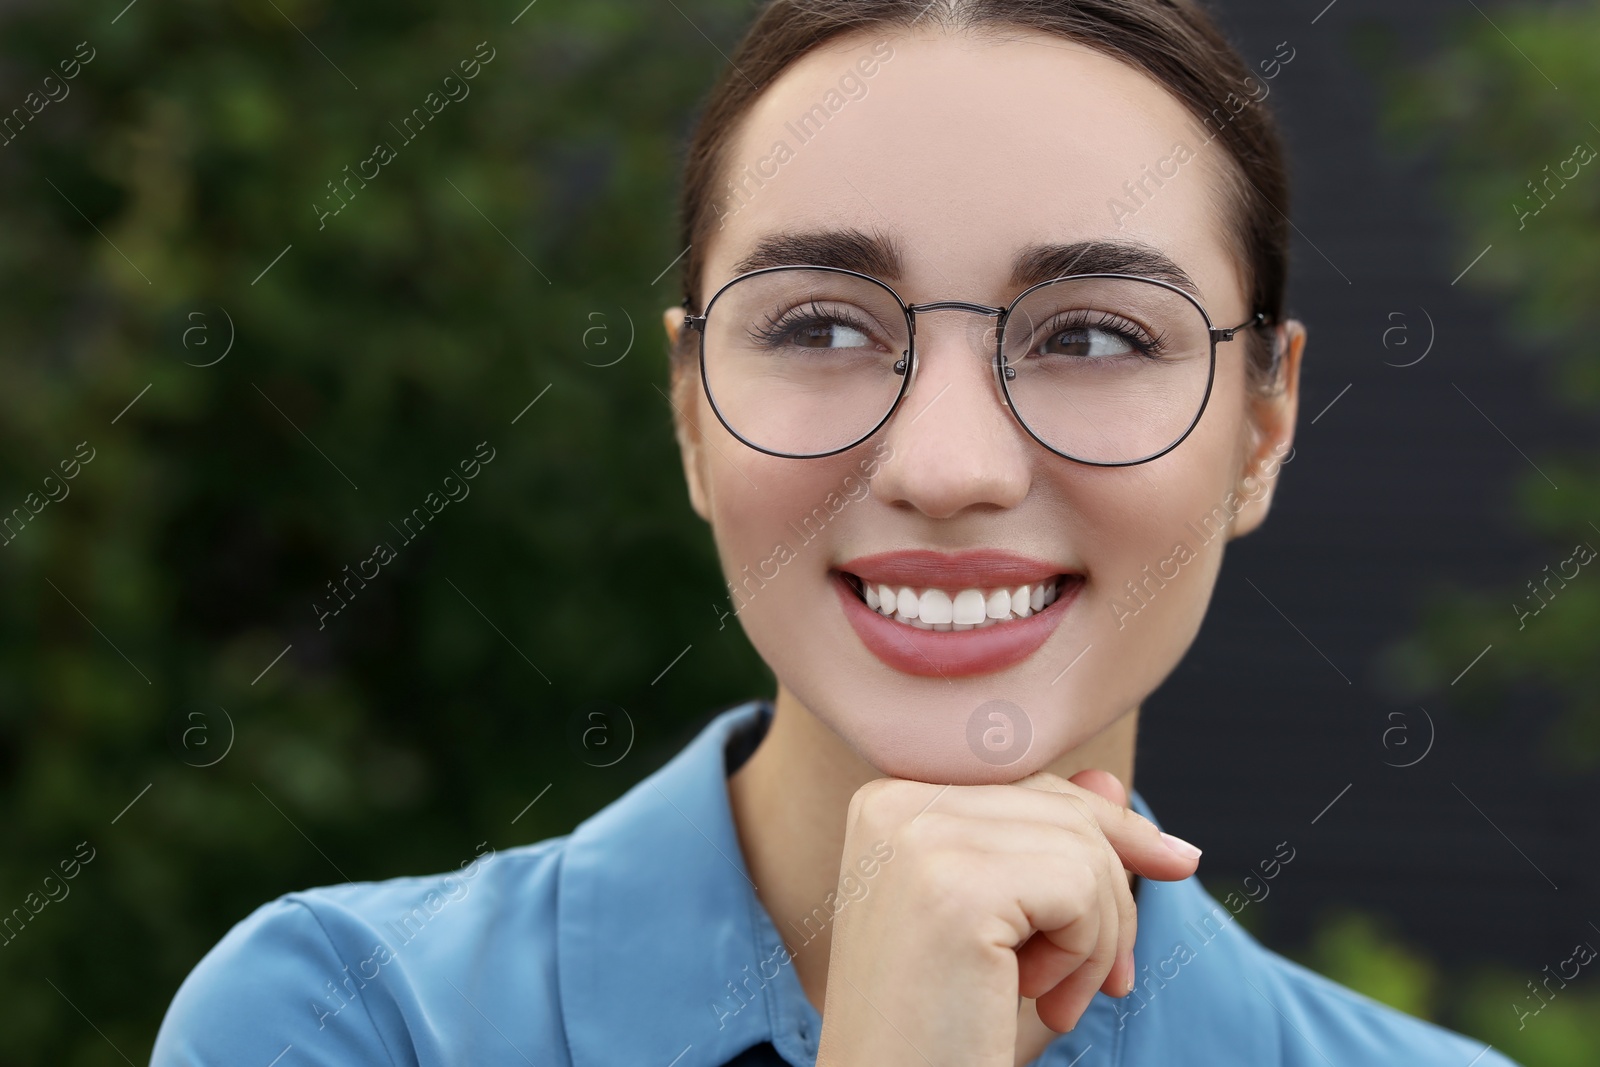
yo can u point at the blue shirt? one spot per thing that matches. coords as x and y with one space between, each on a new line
638 939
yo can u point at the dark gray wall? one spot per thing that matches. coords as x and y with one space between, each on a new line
1400 486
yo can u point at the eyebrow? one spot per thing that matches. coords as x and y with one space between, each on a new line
879 255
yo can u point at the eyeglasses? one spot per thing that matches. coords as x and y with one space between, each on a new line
1109 370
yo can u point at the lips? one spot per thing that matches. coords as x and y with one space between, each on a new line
951 654
985 567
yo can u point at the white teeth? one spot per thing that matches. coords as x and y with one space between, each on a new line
968 608
962 609
935 606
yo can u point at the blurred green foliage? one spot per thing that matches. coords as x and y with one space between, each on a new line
1509 112
514 246
1555 1027
1364 952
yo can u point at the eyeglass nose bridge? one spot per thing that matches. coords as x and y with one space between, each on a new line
955 305
991 336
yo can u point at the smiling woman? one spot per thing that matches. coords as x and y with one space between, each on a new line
953 679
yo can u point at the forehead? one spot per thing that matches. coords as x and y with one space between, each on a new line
965 150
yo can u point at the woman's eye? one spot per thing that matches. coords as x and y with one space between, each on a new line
829 335
1088 341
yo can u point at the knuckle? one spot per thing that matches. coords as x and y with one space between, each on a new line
1052 782
1080 882
944 881
1054 779
1081 810
921 835
871 804
1062 840
1089 878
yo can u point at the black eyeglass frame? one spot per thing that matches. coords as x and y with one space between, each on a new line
906 365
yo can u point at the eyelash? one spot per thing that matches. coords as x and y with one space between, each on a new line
1148 345
775 330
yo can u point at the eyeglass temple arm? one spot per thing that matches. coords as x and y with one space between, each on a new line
1260 318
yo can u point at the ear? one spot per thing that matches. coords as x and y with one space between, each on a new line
673 318
1272 422
690 444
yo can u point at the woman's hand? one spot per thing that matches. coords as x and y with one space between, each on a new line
992 892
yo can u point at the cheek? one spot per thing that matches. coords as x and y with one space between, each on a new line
1154 550
774 521
1153 537
777 534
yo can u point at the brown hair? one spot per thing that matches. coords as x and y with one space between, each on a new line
1172 41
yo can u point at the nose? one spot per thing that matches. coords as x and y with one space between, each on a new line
955 443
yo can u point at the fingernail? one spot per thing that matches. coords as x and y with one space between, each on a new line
1180 846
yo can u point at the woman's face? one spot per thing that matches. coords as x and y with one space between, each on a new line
963 153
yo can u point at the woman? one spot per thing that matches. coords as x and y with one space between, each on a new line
982 360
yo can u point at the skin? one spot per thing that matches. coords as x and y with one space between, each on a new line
905 161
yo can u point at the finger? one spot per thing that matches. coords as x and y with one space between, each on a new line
1061 1008
1121 976
1042 964
1103 782
1061 1005
1053 954
1067 913
889 802
1144 848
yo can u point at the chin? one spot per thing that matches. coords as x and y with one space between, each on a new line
961 739
957 768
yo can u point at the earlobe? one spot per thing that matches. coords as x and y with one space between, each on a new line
684 428
689 449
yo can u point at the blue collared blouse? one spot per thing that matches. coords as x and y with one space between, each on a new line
638 940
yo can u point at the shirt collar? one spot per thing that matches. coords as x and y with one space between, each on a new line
666 955
654 924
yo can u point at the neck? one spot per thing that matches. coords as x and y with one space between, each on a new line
789 803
